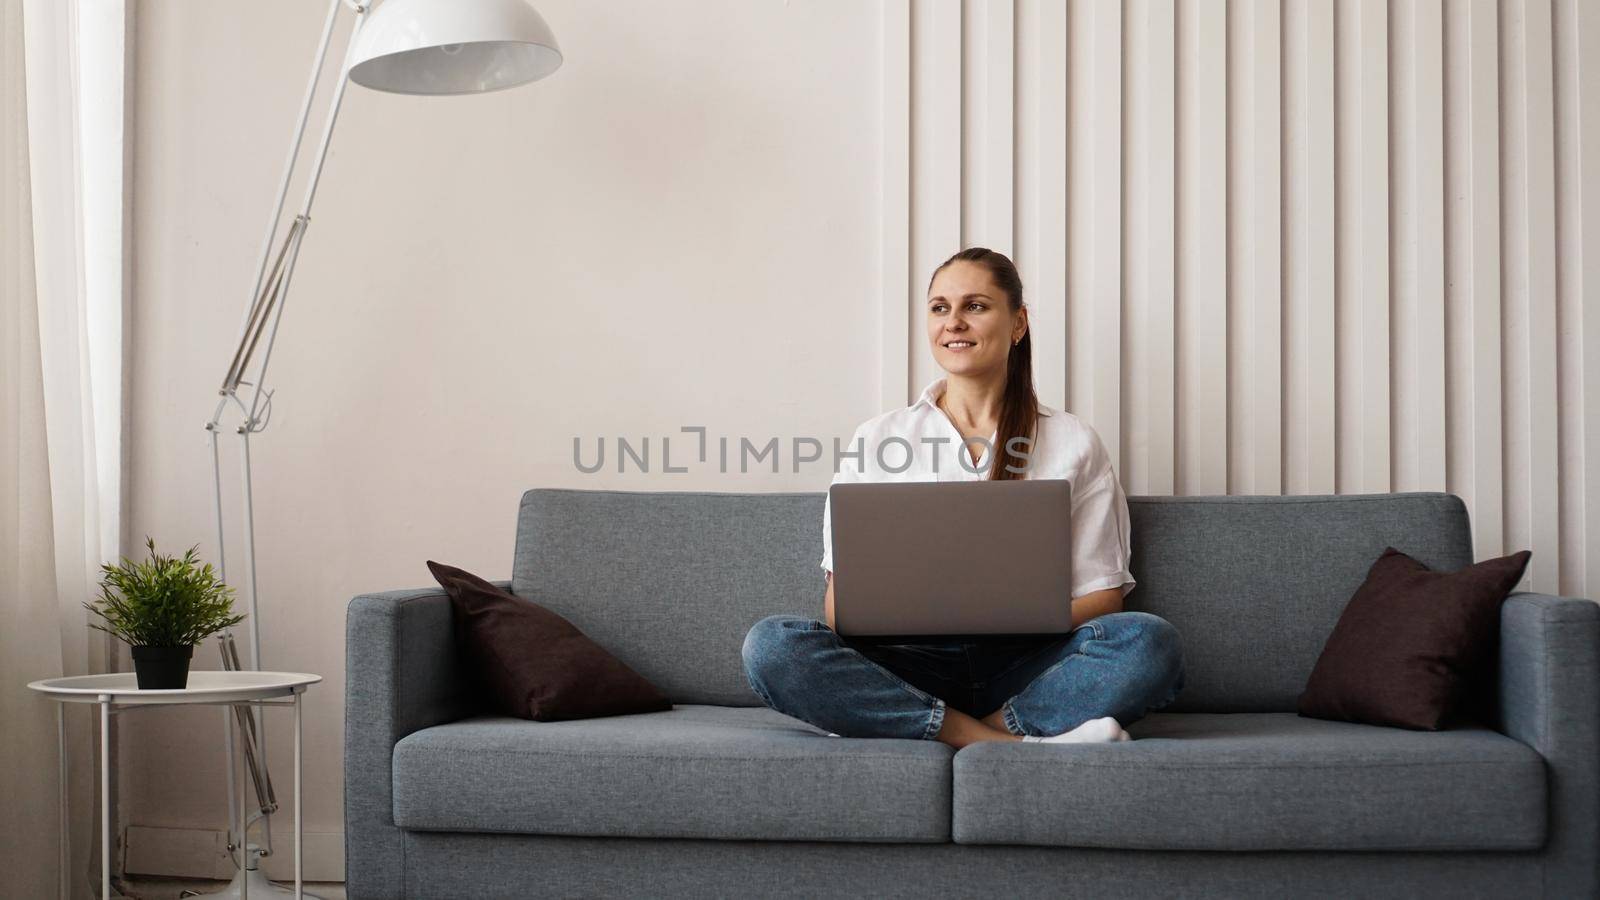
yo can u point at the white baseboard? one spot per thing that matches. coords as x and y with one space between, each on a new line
202 853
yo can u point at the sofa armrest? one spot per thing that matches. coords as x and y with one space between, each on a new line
402 674
1550 700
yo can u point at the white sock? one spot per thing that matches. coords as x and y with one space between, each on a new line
1104 730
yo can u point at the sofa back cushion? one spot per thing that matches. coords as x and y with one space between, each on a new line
670 582
1255 585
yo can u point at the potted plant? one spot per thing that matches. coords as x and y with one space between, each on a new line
162 608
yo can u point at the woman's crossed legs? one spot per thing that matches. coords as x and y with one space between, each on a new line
1118 665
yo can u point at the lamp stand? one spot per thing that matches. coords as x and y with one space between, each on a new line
266 306
249 882
433 47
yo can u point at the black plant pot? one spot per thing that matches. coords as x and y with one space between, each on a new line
162 668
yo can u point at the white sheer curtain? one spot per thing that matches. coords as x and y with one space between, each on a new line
60 418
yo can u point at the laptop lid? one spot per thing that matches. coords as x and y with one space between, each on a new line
952 560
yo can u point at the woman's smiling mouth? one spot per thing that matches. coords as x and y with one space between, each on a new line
959 345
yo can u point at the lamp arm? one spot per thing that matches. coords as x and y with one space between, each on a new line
267 298
252 312
296 233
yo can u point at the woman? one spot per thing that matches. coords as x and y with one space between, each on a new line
1113 666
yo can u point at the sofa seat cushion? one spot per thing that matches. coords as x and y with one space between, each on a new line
747 773
1256 781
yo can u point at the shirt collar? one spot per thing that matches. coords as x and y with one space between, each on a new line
931 394
935 390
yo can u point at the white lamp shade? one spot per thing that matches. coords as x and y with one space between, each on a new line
452 47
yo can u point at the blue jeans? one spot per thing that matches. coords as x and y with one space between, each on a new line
1121 664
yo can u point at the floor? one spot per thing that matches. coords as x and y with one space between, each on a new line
140 887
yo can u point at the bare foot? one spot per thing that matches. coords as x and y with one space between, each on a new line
996 720
960 729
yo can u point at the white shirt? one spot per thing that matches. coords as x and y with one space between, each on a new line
1064 446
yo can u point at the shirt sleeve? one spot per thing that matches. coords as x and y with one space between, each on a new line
849 472
1101 535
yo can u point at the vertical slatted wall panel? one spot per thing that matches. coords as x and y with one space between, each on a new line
1296 247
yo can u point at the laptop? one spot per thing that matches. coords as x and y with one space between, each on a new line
937 561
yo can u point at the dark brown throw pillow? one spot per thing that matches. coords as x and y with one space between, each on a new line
535 664
1411 643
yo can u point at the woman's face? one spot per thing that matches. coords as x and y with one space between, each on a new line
970 323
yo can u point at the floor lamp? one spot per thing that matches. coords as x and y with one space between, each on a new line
405 47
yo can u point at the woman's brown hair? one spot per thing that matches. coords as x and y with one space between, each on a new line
1019 407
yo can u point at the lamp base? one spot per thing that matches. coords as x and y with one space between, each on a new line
259 887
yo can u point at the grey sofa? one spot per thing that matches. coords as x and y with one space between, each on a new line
1225 792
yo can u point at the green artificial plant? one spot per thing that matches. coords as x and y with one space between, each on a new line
163 602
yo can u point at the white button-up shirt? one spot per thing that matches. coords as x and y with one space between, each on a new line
923 440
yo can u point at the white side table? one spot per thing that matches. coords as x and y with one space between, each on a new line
119 692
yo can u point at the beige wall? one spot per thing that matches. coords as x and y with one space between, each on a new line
678 228
1272 248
